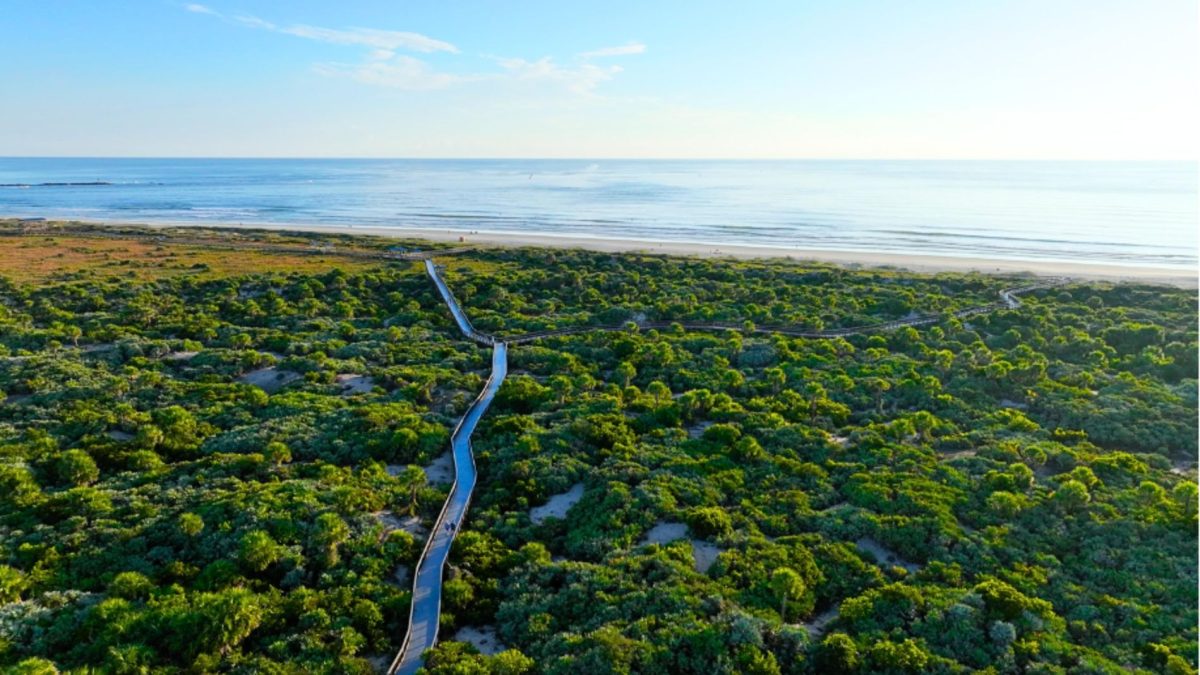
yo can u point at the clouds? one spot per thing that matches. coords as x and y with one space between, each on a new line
623 50
580 79
364 37
381 65
390 70
369 37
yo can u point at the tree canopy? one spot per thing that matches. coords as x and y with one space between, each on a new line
195 477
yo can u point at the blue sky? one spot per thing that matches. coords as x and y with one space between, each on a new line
1060 79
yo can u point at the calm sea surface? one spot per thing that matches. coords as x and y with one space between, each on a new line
1134 213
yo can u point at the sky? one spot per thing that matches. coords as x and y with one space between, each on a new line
954 79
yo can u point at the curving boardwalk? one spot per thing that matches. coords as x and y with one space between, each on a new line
460 317
427 582
426 609
1008 300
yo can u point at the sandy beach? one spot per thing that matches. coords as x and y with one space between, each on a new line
912 262
861 259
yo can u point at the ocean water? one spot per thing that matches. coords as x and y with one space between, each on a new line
1129 213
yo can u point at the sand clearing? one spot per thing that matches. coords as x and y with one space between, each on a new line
103 347
558 505
704 554
441 470
484 638
269 379
816 627
353 384
697 429
1183 467
179 356
409 524
884 555
664 533
400 575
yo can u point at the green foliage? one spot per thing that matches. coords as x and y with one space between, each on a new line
35 666
837 654
786 584
162 515
904 657
258 550
1000 492
457 658
12 582
76 467
130 586
190 524
1072 495
934 474
710 521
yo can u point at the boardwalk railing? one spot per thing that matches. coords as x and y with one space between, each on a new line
408 659
460 317
454 510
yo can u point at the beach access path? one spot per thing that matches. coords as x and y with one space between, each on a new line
460 317
426 609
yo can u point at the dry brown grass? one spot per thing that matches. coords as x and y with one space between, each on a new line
34 258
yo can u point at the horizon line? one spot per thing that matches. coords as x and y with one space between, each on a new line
612 158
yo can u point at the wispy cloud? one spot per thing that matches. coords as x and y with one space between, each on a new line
363 37
399 72
382 66
580 80
253 22
622 50
370 37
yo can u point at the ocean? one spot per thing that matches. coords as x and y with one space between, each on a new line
1126 213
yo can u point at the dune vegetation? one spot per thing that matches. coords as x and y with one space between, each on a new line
211 460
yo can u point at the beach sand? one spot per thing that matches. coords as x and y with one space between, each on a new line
915 262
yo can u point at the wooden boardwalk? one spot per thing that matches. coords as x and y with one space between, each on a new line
425 611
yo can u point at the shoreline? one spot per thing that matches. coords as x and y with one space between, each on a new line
915 262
